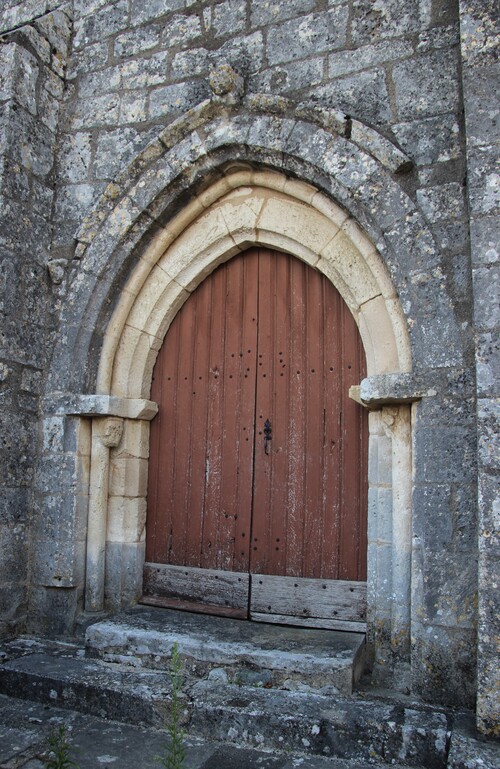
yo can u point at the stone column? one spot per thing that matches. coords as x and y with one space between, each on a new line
106 434
396 422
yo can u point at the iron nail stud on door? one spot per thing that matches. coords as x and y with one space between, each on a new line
267 435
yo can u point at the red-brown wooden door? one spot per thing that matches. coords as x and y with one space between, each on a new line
243 519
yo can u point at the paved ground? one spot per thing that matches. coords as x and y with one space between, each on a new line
96 744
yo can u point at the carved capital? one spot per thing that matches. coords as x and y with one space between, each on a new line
109 431
389 419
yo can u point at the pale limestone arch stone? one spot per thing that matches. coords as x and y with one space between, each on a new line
245 208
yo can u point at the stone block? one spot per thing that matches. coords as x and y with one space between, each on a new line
479 84
126 519
193 62
392 18
228 18
142 73
59 518
430 140
49 108
148 10
19 76
488 362
54 562
364 95
56 472
443 664
485 239
172 100
307 36
34 143
442 202
469 752
102 24
128 477
14 506
74 157
14 552
445 454
488 415
124 566
245 53
74 200
137 41
133 107
52 434
262 14
483 180
101 111
438 37
52 611
286 78
486 285
489 514
116 148
419 93
380 515
91 57
93 84
15 180
367 57
380 460
56 28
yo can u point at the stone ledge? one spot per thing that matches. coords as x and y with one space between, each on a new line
99 405
391 389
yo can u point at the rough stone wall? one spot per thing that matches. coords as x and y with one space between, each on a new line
480 31
31 88
395 65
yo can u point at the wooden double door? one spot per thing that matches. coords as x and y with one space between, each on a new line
257 473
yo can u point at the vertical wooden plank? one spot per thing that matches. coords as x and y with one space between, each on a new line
238 413
163 433
350 565
247 373
213 459
332 440
197 395
279 534
314 454
262 503
296 405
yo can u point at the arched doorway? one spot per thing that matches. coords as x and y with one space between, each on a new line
257 496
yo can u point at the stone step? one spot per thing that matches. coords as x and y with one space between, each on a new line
345 728
247 652
312 723
61 675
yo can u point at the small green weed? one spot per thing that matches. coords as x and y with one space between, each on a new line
174 753
58 752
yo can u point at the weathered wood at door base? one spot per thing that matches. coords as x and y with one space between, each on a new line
219 590
198 608
312 622
311 600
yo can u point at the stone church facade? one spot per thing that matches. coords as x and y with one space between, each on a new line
146 142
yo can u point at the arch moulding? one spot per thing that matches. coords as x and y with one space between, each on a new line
244 208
